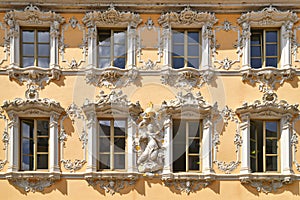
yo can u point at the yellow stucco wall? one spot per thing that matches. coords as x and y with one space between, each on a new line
225 90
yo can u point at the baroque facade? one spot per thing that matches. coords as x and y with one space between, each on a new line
144 100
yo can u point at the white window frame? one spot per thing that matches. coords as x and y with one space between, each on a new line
16 20
268 109
202 21
268 17
124 20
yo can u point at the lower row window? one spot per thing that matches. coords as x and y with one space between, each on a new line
186 145
264 146
34 144
112 144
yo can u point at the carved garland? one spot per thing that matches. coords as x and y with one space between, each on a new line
111 77
73 64
226 63
186 78
268 78
227 115
111 183
74 112
187 17
33 75
111 17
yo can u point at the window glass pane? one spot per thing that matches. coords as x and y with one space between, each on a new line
28 49
252 130
194 128
42 127
104 51
255 51
271 163
255 39
178 63
256 63
193 50
104 63
28 36
177 37
271 50
27 128
178 50
119 62
43 62
104 161
104 144
179 148
271 129
119 37
42 161
119 50
43 36
104 127
194 146
104 37
252 148
271 36
42 144
119 127
193 62
194 163
193 37
27 146
43 50
119 161
271 147
28 61
271 62
27 163
253 164
119 145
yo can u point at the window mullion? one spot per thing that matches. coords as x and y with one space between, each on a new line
112 47
35 48
187 146
35 144
185 49
112 144
264 146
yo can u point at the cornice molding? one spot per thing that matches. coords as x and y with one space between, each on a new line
111 17
187 18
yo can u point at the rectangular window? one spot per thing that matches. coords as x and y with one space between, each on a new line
34 144
186 145
186 48
35 48
264 146
264 48
112 144
112 48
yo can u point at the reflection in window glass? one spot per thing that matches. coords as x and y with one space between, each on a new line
185 49
112 55
35 48
112 144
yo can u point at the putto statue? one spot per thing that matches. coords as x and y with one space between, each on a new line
149 142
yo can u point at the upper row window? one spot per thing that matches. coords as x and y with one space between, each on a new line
264 48
186 48
112 48
35 48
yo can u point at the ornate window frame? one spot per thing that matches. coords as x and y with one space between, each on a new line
188 106
188 18
112 105
111 18
266 18
32 106
32 16
268 108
